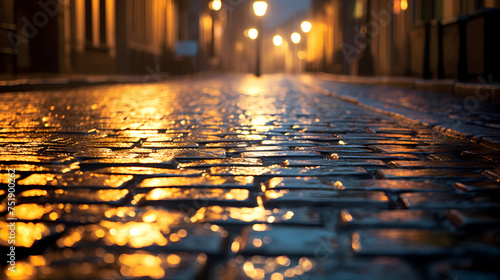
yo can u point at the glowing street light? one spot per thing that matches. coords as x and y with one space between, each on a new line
277 40
259 8
295 37
215 5
306 26
404 5
253 33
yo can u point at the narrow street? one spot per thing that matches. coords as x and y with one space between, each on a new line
233 177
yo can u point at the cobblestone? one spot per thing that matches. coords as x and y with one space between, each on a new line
230 177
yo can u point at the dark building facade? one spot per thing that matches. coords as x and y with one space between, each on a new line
108 36
445 39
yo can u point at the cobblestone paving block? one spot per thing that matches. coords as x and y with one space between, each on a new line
369 199
337 148
391 186
483 187
122 139
160 162
75 180
32 168
11 140
207 163
474 220
280 154
215 139
141 152
263 239
416 219
104 153
292 143
227 145
30 159
404 242
75 196
392 130
427 174
388 141
155 137
202 182
428 164
443 157
366 164
71 214
278 183
257 149
244 216
148 171
191 153
446 201
394 149
289 171
492 158
198 197
374 156
170 145
462 149
110 145
16 150
492 175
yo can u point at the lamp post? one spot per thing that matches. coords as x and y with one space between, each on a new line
278 41
295 39
259 8
306 27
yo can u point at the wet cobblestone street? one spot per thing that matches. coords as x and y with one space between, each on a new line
234 177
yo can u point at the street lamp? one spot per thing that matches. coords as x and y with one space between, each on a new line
277 40
215 5
404 5
253 33
259 8
295 39
306 26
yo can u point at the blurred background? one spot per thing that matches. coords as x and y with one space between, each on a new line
438 39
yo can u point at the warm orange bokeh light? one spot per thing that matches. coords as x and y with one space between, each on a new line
404 5
306 26
260 7
253 33
215 5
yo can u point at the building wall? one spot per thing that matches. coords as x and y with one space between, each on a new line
6 16
89 35
382 37
116 36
